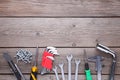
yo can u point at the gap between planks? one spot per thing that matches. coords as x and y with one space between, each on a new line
63 47
52 77
59 16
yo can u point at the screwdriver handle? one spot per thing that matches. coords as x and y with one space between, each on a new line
88 74
33 74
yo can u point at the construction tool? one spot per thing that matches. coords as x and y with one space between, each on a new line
69 58
56 73
34 69
23 78
87 70
14 67
62 70
47 59
77 62
114 58
97 60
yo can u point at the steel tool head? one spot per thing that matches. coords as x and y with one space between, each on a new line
7 57
106 50
98 63
85 57
51 57
52 50
109 51
97 60
61 65
94 59
69 57
44 71
77 61
36 56
55 68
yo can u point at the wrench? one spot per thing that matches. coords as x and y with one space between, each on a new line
56 73
62 70
69 58
77 62
97 60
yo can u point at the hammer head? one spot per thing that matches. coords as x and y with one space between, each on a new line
106 50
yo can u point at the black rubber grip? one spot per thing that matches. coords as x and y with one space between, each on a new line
112 72
12 66
33 76
86 66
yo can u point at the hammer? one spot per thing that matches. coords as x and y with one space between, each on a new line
114 58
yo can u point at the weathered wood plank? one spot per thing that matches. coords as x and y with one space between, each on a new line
60 32
52 77
59 8
77 53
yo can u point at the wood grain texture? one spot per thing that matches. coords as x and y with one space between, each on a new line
59 8
52 77
60 32
76 52
69 25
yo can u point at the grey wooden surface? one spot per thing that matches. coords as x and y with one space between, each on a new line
60 32
69 25
59 8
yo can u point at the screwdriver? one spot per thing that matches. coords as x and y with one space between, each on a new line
87 70
34 69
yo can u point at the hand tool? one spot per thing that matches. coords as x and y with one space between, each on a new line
97 60
114 58
52 50
77 62
34 69
69 58
87 70
56 73
20 72
14 67
47 59
62 70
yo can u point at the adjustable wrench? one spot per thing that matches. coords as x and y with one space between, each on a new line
97 60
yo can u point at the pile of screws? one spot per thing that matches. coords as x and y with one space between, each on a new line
24 55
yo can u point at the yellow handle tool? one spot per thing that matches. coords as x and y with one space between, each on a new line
34 69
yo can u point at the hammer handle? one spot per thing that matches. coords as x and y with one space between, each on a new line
112 72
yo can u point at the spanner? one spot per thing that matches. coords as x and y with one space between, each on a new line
97 60
62 70
77 62
69 58
56 73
